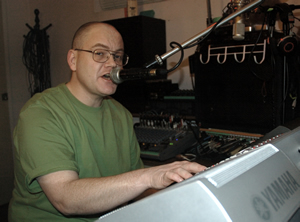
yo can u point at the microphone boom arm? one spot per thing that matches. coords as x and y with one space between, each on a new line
160 59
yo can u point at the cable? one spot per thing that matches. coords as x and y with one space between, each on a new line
36 57
181 57
252 53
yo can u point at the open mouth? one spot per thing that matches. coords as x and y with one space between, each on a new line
106 76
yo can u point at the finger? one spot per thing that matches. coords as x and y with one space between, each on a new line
184 174
174 177
177 175
191 167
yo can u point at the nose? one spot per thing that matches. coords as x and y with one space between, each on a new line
111 61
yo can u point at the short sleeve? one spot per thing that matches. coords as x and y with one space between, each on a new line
43 145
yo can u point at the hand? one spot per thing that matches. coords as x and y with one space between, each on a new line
162 176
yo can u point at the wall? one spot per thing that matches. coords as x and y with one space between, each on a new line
6 161
184 19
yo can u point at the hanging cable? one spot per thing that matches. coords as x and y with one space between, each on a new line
181 56
36 57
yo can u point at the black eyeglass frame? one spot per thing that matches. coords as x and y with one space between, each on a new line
111 53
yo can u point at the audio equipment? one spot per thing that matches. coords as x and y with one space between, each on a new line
163 144
162 137
260 183
242 89
143 38
238 27
119 75
287 45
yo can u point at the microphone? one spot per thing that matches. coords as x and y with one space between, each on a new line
118 75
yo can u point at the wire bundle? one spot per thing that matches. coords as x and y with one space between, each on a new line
36 57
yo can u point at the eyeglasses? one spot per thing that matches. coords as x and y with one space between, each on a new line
102 55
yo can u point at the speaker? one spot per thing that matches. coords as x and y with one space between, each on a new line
241 96
144 37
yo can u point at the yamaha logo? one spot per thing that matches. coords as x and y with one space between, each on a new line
261 208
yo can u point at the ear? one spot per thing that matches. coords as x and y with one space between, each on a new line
71 58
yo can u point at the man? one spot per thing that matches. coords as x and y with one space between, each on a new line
76 154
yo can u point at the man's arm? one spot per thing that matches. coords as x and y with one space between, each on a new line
73 196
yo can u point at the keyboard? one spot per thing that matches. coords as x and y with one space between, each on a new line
162 144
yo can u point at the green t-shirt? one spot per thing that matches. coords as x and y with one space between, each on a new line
56 132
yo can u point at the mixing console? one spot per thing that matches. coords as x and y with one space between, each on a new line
163 143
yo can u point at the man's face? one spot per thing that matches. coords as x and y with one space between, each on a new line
91 74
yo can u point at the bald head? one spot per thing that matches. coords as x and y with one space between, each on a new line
84 30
